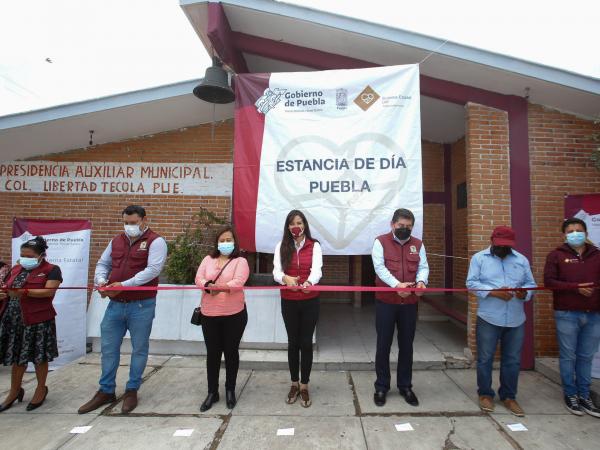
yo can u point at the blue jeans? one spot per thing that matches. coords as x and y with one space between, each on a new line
578 334
511 343
137 317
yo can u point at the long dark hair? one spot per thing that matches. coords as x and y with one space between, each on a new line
288 247
215 253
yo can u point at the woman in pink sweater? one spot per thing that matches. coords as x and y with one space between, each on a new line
224 315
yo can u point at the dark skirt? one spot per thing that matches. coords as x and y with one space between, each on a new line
20 343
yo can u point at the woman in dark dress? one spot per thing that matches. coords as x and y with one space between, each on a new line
27 326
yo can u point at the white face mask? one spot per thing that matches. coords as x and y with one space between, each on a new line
132 230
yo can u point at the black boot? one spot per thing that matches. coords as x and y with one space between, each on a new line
230 398
208 402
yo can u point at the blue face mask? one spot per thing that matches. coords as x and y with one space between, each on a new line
576 238
226 248
28 263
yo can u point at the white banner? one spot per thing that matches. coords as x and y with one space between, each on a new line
70 251
344 147
116 178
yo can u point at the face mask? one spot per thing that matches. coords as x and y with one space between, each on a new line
501 251
576 238
226 248
132 230
296 231
402 233
29 263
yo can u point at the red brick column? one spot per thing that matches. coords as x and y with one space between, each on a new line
488 184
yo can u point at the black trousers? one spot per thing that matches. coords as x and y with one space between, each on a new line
222 334
300 318
388 317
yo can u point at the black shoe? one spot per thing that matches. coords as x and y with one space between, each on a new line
230 399
208 402
572 405
379 398
409 396
589 407
18 397
32 406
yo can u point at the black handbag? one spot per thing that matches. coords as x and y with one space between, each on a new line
196 317
197 314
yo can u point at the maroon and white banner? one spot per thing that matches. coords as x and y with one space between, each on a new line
587 208
343 146
68 248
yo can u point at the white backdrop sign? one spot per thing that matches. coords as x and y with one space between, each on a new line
68 248
342 146
56 177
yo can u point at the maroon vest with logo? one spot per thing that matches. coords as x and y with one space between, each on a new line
34 310
129 259
300 266
402 260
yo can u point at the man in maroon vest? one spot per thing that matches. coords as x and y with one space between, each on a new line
133 258
400 261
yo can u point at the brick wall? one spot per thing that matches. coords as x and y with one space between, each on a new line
433 166
560 147
487 158
168 214
433 214
433 239
459 216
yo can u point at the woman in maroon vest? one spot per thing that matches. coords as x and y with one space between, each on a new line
27 327
297 262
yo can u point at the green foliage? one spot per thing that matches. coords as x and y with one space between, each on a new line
189 249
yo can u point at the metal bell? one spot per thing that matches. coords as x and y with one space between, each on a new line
214 88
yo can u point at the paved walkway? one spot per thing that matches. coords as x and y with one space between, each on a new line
342 416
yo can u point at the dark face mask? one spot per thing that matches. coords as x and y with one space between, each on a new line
402 233
501 251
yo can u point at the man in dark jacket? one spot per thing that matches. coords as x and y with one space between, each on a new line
133 258
574 270
400 261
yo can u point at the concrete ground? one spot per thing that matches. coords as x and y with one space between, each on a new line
342 415
346 334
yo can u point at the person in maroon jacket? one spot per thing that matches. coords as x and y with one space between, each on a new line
297 261
574 270
27 326
133 258
400 261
